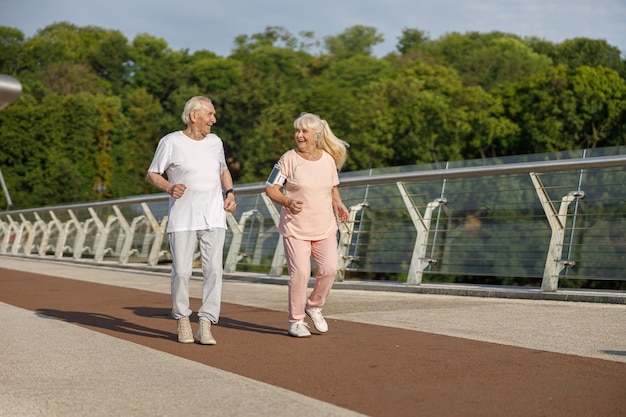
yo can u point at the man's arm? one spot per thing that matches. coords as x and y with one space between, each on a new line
227 188
175 190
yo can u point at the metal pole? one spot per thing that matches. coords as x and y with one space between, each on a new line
6 191
10 90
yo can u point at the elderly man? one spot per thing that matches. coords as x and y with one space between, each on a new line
201 192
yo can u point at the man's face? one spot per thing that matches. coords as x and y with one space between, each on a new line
204 118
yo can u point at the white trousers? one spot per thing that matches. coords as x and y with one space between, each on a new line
183 246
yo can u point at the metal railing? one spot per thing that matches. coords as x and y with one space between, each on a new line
549 217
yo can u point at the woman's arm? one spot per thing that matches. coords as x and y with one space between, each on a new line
275 194
339 208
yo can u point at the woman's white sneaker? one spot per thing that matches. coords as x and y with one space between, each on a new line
318 320
298 329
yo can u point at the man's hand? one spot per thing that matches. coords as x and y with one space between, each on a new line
229 204
177 190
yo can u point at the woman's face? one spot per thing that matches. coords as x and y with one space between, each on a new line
305 138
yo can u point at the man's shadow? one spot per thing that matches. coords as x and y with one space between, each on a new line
116 324
224 321
106 321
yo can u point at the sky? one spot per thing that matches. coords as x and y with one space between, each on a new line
213 25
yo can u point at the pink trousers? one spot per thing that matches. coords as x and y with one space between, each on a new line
298 256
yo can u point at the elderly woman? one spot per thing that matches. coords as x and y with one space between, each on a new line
304 182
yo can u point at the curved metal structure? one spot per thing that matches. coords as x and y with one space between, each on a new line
10 90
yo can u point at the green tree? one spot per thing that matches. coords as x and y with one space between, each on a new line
273 36
214 75
133 150
579 52
540 46
336 96
491 133
67 59
275 79
412 41
155 67
94 106
562 109
488 60
91 122
108 56
428 128
67 78
11 40
356 40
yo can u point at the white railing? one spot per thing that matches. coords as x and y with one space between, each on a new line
546 219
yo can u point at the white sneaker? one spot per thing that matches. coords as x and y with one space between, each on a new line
318 320
185 334
204 336
299 329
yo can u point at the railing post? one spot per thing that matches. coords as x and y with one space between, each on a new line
62 235
558 221
45 234
237 229
278 260
100 240
346 231
80 235
19 228
159 232
6 233
230 264
419 262
30 231
129 234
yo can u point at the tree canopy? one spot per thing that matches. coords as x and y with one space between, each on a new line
95 104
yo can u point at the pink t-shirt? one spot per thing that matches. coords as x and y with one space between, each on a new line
311 182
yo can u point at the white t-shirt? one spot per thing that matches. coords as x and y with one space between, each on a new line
198 164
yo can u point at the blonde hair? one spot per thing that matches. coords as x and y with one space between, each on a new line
327 140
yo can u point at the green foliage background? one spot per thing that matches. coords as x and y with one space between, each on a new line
94 104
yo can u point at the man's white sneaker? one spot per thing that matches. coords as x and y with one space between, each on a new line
299 329
318 320
204 336
185 334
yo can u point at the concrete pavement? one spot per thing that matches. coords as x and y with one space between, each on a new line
54 368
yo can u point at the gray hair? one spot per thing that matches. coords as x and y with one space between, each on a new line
194 103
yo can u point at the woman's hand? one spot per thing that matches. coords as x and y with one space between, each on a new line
339 208
342 212
294 206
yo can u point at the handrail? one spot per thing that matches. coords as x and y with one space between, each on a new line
508 169
349 181
517 168
463 172
492 225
